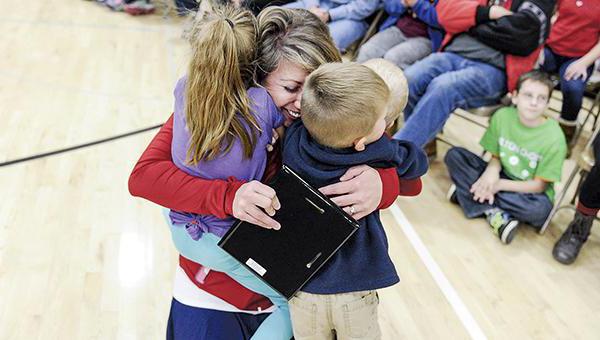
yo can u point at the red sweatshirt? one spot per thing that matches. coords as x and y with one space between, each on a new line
157 179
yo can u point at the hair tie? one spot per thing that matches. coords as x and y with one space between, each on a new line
229 22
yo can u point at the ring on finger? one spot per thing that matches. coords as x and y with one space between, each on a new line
352 210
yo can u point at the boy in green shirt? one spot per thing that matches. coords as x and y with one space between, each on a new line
528 151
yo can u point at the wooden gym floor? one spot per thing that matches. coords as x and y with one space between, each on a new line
81 259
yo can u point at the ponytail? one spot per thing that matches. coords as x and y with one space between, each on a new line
217 107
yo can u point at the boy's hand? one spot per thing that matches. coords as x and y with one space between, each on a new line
497 12
485 187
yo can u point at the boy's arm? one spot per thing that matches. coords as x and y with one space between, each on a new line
394 7
426 11
411 160
520 33
354 10
534 186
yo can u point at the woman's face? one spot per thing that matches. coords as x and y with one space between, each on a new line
284 85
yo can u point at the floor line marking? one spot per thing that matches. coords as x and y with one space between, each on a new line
436 272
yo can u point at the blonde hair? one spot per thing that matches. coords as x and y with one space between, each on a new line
341 102
393 76
217 107
295 35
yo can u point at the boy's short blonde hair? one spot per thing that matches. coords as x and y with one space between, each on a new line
341 102
393 76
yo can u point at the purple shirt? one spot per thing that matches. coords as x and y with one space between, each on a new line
231 164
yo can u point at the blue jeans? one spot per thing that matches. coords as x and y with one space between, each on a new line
441 83
192 323
466 167
206 252
344 32
572 90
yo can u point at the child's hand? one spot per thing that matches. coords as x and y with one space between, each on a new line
497 12
251 201
274 139
485 187
577 70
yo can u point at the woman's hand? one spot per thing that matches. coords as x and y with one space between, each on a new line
360 191
252 200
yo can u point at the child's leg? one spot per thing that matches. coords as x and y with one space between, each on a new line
355 315
344 32
528 208
311 316
409 52
206 252
465 168
572 91
380 43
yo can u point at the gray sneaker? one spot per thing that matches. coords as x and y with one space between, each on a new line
503 224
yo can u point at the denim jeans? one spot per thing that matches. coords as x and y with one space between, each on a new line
344 32
441 83
572 90
391 44
466 167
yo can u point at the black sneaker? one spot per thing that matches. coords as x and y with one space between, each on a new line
451 195
568 246
503 224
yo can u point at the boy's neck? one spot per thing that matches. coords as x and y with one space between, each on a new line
532 123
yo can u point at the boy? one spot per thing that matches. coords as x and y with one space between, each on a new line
528 151
396 82
343 122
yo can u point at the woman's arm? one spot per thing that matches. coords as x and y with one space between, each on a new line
157 179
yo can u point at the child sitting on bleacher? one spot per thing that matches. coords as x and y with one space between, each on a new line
345 18
528 151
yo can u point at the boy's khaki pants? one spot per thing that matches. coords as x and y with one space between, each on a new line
347 315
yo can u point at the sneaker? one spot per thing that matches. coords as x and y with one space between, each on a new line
139 7
503 224
568 246
451 195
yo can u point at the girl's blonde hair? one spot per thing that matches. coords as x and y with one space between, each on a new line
217 107
295 35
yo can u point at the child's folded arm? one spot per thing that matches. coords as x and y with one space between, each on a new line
412 160
156 178
533 186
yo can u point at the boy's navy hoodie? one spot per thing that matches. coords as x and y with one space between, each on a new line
363 263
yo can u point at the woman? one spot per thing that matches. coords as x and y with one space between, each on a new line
210 305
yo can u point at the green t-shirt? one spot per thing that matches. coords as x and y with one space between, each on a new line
526 153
